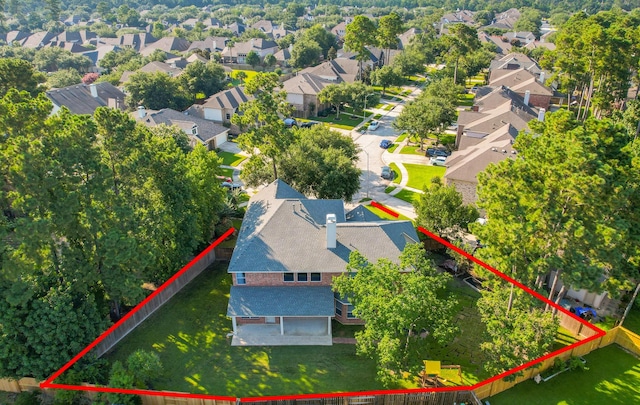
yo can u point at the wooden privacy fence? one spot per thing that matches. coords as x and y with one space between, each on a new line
144 312
618 335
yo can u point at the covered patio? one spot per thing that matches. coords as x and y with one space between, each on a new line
281 316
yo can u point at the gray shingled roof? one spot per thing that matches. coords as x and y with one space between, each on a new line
280 235
78 98
206 129
280 301
231 98
361 214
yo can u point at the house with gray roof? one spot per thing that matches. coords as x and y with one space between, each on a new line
486 135
86 98
289 249
239 51
199 130
525 83
220 107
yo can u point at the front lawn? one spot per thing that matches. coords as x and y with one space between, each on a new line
345 122
384 215
189 334
250 74
421 175
397 174
231 159
408 196
226 172
613 378
412 150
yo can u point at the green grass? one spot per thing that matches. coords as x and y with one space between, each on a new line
447 139
226 172
402 137
231 159
384 215
393 147
408 196
377 116
389 189
388 107
345 122
397 174
189 335
250 74
412 150
466 99
613 378
419 175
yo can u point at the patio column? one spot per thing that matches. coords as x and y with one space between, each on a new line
329 325
282 325
234 324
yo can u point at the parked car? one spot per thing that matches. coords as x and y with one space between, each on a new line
373 125
437 152
438 160
308 124
386 173
290 122
385 143
231 185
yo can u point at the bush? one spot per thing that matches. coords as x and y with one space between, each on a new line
28 398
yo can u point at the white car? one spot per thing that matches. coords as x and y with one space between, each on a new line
438 160
373 125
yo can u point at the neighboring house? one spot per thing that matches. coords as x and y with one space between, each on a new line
211 44
283 56
485 135
265 26
505 20
340 30
239 51
194 57
525 83
374 58
289 249
85 98
405 38
166 44
16 37
302 93
207 133
302 90
135 41
220 107
153 67
69 46
514 61
522 37
78 37
38 40
336 70
458 17
97 54
236 28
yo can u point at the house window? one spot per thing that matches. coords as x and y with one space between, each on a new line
350 314
288 277
338 308
316 277
302 276
241 279
228 116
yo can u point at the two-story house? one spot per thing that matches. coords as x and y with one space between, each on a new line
289 249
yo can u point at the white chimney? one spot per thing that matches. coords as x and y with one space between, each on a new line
527 95
541 114
94 90
542 77
141 111
331 231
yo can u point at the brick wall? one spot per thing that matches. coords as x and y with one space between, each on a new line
538 100
277 279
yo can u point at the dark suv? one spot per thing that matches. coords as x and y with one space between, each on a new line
435 152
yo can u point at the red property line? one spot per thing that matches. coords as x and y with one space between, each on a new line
385 209
49 382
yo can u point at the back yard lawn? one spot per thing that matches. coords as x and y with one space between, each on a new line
613 378
189 335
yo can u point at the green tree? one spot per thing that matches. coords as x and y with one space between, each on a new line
270 60
262 119
386 76
397 302
145 367
305 53
206 79
155 91
321 163
54 58
253 58
122 378
317 33
360 33
64 78
440 210
389 27
462 40
20 75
